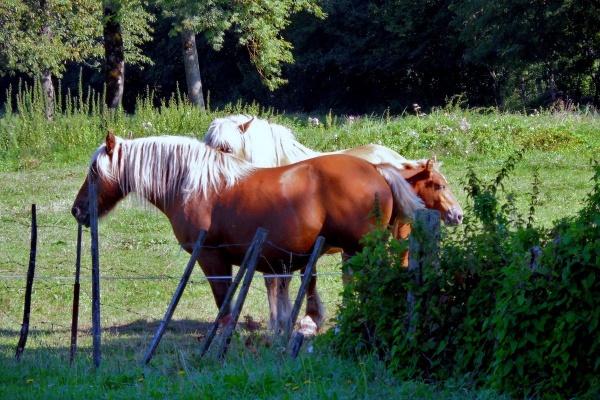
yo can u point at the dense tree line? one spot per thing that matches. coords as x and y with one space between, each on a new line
352 56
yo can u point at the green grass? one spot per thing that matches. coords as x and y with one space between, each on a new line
45 164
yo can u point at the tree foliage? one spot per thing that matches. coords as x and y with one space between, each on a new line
75 34
554 40
136 21
258 25
75 29
364 56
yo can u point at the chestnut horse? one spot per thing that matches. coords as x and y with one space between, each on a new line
272 145
198 187
268 145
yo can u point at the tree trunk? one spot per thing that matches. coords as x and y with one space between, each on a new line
596 80
115 57
495 86
523 97
192 68
552 86
47 85
48 89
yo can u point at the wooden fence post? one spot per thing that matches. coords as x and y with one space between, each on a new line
29 285
296 344
96 339
177 296
423 243
261 235
226 306
304 286
75 320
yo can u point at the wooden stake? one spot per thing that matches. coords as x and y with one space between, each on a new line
75 320
260 237
226 306
304 286
96 339
297 344
28 286
177 296
423 245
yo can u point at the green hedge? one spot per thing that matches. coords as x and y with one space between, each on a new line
508 306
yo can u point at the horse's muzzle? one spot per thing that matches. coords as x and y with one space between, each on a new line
453 217
82 216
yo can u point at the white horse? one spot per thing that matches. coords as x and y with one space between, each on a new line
271 145
267 144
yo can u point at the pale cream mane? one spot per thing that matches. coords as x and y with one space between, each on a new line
264 144
268 144
421 163
162 167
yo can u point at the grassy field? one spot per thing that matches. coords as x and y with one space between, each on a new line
141 263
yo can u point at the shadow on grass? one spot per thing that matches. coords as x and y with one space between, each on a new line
139 327
135 336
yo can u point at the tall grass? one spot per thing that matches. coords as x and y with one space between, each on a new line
27 138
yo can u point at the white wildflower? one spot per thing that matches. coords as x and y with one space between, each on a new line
313 121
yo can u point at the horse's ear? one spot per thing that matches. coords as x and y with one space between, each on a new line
244 127
130 135
111 143
430 166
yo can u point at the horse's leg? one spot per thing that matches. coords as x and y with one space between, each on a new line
315 312
346 271
284 305
402 232
271 285
219 286
279 302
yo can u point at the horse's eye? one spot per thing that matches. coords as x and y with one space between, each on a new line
439 186
226 149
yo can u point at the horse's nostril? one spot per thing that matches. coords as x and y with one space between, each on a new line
454 217
75 211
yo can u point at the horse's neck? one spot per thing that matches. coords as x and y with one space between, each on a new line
160 172
285 148
299 152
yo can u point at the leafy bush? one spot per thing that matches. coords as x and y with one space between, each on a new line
374 296
507 306
548 338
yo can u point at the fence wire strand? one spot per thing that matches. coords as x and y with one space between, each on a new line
53 282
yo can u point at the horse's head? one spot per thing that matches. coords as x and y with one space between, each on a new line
108 190
225 134
431 186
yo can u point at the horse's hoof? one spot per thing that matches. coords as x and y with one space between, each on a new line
307 326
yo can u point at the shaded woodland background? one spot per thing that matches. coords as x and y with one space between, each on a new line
375 56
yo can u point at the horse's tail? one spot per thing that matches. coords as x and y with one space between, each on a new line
406 202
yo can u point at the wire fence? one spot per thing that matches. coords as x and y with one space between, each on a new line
55 275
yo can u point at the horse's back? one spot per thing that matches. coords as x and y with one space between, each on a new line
378 154
331 196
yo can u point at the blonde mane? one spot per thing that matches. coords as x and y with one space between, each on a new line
264 144
163 166
267 144
421 163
